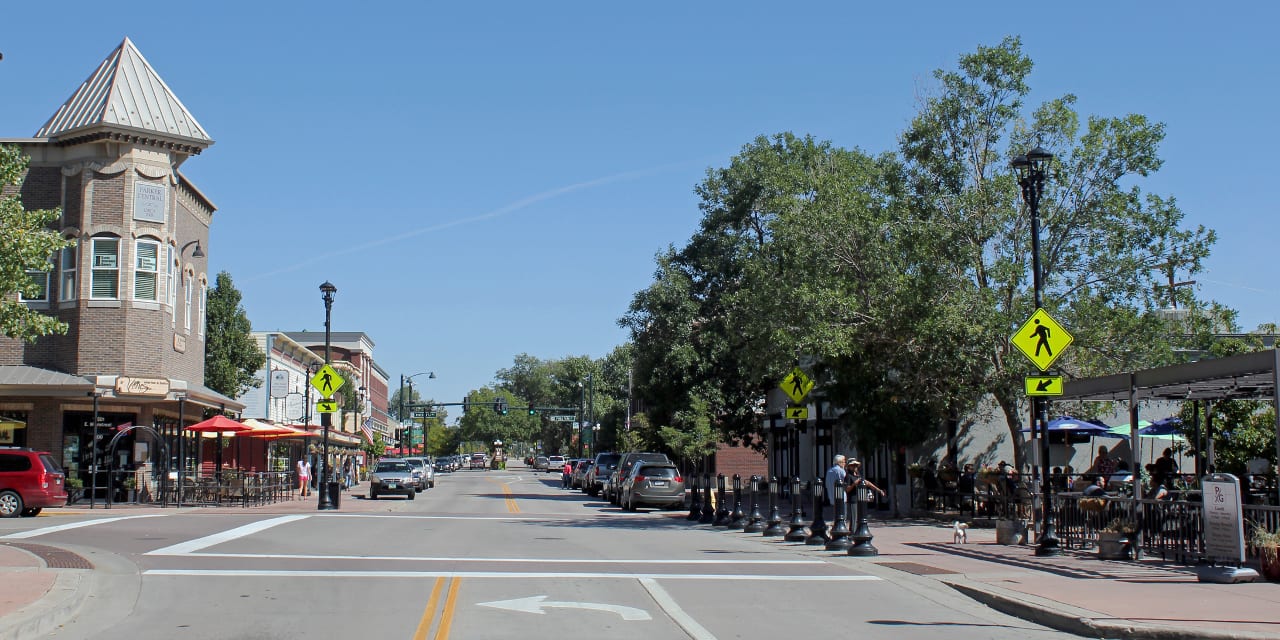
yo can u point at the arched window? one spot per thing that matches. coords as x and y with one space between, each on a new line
204 303
68 286
171 286
186 292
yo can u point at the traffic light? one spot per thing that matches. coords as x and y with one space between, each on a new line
533 411
466 402
500 406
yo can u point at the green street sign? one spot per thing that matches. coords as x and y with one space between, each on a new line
424 414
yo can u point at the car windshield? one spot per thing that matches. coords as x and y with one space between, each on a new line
50 465
391 466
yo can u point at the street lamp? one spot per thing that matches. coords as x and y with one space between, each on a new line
1031 176
431 375
326 292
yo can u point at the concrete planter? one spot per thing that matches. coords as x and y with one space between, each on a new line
1011 532
1114 546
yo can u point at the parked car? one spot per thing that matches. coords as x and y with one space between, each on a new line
424 472
30 481
595 477
479 461
652 484
555 463
540 463
614 482
580 473
392 475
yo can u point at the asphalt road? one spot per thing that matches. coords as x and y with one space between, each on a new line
485 554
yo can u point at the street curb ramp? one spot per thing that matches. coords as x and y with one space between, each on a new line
60 604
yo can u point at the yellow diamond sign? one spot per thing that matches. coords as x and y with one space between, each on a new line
1041 339
796 385
327 381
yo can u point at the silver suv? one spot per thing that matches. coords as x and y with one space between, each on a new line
392 475
424 471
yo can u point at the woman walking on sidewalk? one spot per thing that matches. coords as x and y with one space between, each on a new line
304 477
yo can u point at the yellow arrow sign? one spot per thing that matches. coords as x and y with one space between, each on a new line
796 385
1044 385
327 381
327 406
1041 339
797 413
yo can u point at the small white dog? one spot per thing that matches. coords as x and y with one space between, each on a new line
961 535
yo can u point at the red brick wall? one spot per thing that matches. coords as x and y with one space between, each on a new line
745 461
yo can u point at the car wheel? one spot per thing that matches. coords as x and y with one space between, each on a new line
31 512
373 495
10 504
413 495
432 485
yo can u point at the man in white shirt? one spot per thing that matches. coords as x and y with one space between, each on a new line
834 480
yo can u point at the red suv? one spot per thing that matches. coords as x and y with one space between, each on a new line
29 481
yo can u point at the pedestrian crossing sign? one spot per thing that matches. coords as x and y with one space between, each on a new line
796 385
1041 339
327 381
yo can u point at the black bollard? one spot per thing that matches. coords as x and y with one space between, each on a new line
723 513
840 532
796 531
817 530
737 519
755 522
862 536
695 500
708 511
773 525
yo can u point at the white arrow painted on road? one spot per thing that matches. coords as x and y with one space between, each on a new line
535 604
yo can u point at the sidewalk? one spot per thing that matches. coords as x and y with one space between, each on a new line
1072 592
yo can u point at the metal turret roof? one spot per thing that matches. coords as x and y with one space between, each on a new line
125 92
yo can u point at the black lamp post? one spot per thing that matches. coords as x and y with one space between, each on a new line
1031 176
796 531
326 291
817 530
755 522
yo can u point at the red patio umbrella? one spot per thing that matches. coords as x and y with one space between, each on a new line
218 424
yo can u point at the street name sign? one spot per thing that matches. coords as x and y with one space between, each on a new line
327 381
560 418
797 413
1044 385
327 406
424 414
796 385
1041 339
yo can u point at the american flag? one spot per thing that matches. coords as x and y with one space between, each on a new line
368 433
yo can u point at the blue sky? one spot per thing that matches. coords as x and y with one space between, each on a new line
484 179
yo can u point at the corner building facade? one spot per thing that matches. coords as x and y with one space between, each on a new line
132 290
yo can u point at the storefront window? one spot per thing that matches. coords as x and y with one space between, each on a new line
13 428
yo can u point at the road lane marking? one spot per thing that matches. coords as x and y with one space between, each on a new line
535 604
511 501
74 525
430 613
673 610
303 556
446 616
190 546
285 573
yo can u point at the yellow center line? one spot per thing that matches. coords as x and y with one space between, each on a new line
430 613
446 617
511 502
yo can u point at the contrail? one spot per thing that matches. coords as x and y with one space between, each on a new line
500 211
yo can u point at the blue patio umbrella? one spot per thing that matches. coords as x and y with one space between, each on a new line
1169 427
1074 426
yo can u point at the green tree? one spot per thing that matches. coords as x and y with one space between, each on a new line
26 245
231 358
1104 243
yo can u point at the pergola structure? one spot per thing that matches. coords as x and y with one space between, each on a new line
1247 376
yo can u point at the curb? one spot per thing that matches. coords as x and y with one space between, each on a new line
58 606
1083 622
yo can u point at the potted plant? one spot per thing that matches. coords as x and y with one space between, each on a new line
131 487
1116 540
75 489
1267 545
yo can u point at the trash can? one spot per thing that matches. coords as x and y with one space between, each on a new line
335 492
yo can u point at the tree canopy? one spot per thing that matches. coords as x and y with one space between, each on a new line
26 245
232 358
